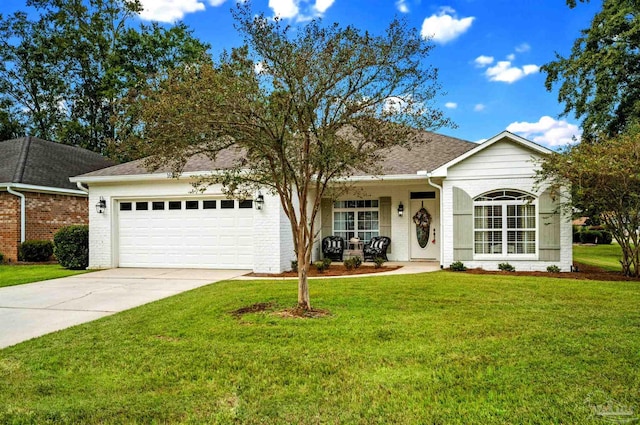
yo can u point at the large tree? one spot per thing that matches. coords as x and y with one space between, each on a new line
65 71
600 80
307 106
605 180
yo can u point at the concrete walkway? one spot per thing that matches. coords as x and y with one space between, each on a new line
35 309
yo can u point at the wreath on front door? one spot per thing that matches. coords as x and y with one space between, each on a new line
422 219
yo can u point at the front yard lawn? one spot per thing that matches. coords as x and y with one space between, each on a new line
442 347
17 275
606 257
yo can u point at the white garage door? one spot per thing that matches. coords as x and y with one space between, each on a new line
202 233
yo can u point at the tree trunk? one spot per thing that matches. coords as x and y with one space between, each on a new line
303 280
304 263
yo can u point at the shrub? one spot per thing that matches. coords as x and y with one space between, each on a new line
506 267
553 269
352 263
71 247
576 233
457 266
378 262
35 250
327 262
594 234
320 265
1 258
294 265
349 263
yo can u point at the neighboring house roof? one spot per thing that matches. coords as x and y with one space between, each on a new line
37 162
433 151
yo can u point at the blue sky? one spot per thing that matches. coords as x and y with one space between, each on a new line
488 52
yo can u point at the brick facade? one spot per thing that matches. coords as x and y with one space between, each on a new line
46 214
9 225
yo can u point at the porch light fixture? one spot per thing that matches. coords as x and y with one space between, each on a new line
101 206
259 201
400 210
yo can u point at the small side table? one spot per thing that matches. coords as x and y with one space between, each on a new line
354 249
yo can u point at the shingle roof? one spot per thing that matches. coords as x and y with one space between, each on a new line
29 160
433 151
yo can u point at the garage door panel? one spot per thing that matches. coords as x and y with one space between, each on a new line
215 238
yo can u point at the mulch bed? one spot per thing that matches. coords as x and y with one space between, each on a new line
333 270
295 312
584 272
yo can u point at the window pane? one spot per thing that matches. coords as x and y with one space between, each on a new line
191 205
226 203
157 205
209 205
246 203
175 205
125 206
142 206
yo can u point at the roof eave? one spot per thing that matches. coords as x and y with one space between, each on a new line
116 178
43 189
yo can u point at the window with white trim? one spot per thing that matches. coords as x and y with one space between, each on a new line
359 218
504 224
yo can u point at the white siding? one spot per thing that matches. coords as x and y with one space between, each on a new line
504 165
502 159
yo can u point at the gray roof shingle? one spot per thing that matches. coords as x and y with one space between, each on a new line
33 161
432 151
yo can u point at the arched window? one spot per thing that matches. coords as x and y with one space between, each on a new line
505 224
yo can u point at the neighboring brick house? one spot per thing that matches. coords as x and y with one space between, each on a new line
36 196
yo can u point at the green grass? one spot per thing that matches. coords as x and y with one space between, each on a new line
447 348
17 275
606 257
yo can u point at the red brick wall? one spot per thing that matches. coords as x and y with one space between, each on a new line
46 214
9 225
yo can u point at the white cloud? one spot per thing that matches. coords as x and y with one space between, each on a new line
258 67
479 107
402 6
451 105
445 26
482 61
547 131
524 47
284 8
505 72
321 6
511 57
171 10
300 10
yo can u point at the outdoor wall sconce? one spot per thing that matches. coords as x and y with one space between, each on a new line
400 210
101 206
259 201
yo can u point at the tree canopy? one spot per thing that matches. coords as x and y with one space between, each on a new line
63 73
605 181
600 80
307 106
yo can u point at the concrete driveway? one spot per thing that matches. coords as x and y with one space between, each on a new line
31 310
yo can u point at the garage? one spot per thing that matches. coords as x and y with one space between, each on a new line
185 233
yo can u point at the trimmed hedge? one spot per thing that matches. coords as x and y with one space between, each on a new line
594 234
71 247
35 251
